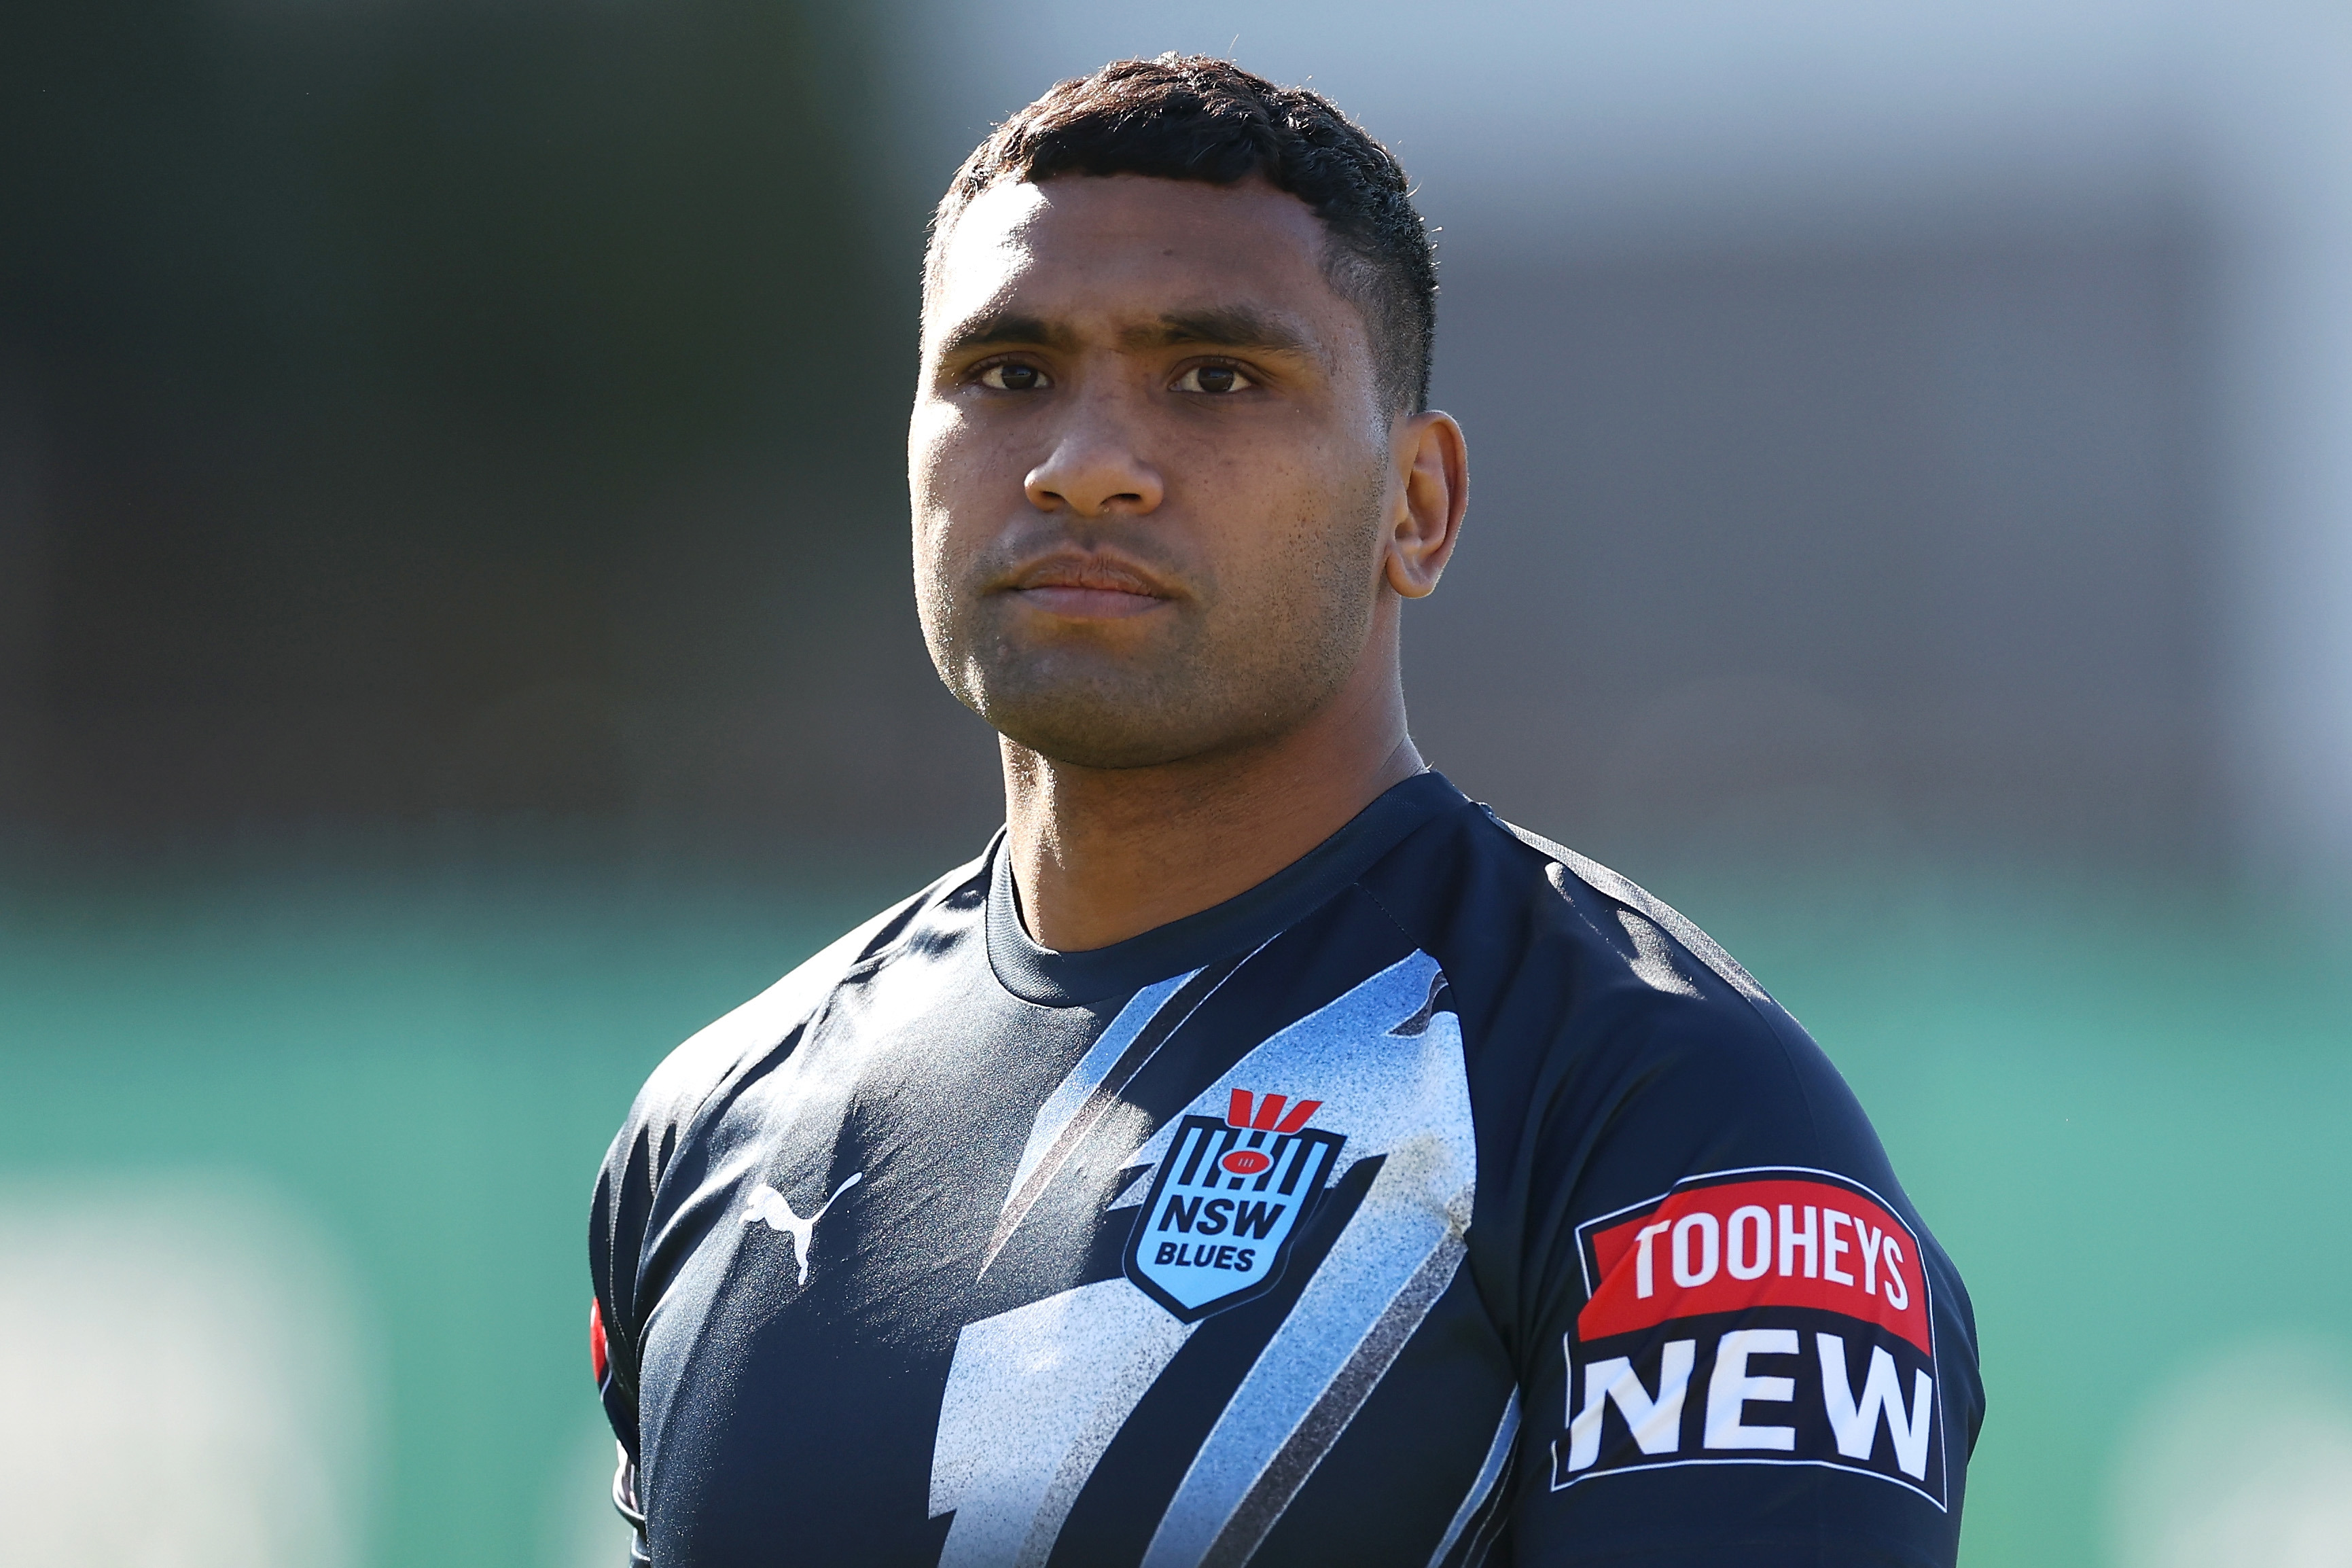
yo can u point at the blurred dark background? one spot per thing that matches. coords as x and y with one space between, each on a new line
454 640
420 408
414 409
1877 547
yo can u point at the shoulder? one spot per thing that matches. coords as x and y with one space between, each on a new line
1514 918
659 1139
699 1069
1588 1005
1652 925
1661 991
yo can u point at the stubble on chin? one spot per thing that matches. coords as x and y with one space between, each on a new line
1222 678
1077 702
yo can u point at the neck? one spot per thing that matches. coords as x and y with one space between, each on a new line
1100 855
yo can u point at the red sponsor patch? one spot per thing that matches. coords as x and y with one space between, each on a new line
1730 1245
597 1358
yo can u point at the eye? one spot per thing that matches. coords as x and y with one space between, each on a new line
1215 379
1014 377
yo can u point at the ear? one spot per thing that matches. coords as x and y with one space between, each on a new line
1432 464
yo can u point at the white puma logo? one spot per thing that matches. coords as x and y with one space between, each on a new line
766 1203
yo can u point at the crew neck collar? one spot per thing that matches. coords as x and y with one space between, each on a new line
1052 979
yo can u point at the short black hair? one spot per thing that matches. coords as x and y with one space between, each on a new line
1187 117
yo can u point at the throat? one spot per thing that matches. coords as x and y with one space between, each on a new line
1100 855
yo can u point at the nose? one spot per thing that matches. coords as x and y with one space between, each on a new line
1094 471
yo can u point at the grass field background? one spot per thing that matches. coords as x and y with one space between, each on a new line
2121 1109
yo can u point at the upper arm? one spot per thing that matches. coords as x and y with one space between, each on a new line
1738 1344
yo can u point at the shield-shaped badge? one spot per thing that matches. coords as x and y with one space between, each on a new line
1225 1205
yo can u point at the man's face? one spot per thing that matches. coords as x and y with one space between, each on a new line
1151 474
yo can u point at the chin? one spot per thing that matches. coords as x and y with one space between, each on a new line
1106 738
1130 717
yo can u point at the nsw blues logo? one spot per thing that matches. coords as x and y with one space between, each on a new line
1226 1202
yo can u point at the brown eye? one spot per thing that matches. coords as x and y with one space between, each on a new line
1213 378
1013 377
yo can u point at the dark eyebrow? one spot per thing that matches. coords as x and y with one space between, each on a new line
1224 327
995 329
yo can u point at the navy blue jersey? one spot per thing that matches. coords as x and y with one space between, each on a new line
1445 1198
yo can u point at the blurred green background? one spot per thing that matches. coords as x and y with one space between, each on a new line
453 642
2121 1111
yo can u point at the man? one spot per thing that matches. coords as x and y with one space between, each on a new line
1261 1153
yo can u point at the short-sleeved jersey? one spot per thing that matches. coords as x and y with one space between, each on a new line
1444 1198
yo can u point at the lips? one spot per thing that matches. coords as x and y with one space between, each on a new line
1088 588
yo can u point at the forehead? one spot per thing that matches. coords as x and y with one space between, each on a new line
1121 248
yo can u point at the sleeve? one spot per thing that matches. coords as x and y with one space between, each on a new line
660 1129
625 1473
625 1192
625 1213
1738 1344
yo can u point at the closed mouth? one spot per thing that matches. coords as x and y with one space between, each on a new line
1087 588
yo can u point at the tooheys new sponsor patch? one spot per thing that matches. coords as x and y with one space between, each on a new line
1774 1316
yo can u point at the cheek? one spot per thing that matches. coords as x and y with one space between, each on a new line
933 436
939 463
958 464
1299 513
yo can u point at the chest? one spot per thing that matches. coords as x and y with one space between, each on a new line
1016 1279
